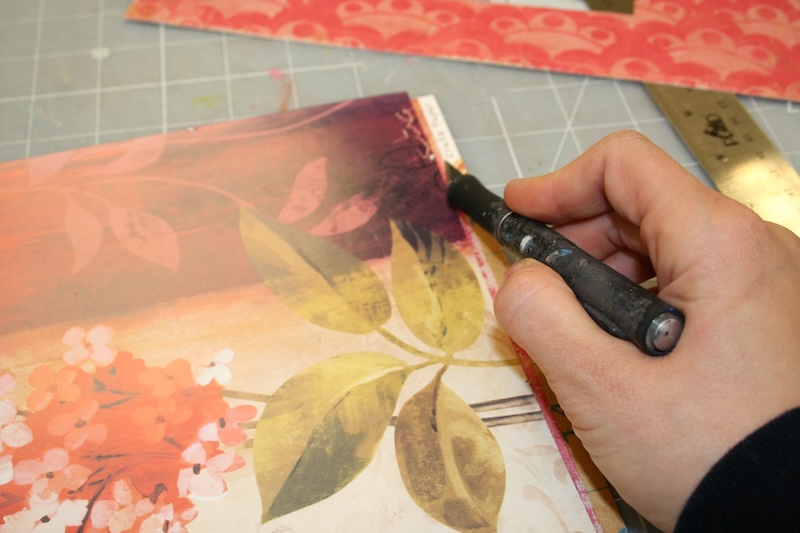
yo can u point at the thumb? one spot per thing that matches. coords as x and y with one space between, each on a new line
542 315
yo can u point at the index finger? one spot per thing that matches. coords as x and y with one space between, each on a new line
625 173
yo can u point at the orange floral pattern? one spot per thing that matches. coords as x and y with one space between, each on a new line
123 446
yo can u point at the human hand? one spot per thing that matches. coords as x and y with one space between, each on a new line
656 425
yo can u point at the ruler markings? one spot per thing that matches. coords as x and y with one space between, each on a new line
735 152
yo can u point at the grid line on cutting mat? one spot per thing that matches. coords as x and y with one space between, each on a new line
502 141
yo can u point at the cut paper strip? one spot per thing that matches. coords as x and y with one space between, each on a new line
743 47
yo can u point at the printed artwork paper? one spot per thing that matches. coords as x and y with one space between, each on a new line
273 323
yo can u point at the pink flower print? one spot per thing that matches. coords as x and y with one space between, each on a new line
52 474
50 386
121 513
12 433
121 376
46 515
153 418
89 346
165 381
168 520
6 469
218 368
76 427
226 429
202 480
7 383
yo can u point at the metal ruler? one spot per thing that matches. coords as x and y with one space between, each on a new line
614 6
734 151
736 154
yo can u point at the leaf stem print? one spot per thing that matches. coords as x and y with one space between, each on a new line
179 182
246 395
444 359
141 233
330 110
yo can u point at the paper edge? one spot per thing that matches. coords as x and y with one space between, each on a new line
446 150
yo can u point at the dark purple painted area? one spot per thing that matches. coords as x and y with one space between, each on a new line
197 185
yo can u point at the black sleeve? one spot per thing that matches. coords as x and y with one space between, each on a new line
755 487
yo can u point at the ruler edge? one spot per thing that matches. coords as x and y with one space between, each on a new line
776 155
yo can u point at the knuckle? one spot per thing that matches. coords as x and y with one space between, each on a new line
521 289
625 140
740 228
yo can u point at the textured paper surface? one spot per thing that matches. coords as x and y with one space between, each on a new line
743 47
270 324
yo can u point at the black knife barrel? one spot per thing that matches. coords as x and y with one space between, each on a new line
620 306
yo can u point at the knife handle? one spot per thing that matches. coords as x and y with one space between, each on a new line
620 306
